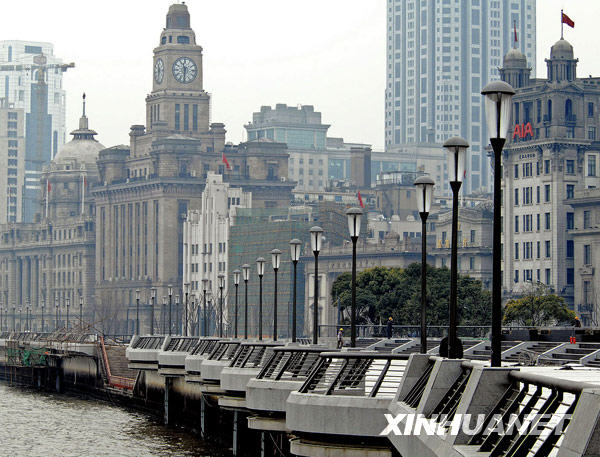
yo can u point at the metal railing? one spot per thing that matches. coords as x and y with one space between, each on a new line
253 355
147 342
205 346
181 344
405 331
361 374
290 363
225 350
119 382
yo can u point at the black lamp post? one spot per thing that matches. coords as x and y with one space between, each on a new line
295 247
236 282
68 305
164 315
275 260
177 328
457 153
221 283
209 306
27 316
81 311
316 238
1 320
498 107
170 290
246 273
152 303
193 300
260 269
424 187
137 311
354 217
186 287
57 308
204 327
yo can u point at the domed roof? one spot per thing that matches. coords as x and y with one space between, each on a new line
515 59
562 49
83 148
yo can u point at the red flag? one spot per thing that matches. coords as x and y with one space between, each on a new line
567 20
516 38
85 183
226 162
360 200
49 186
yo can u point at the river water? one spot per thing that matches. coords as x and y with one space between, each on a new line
34 423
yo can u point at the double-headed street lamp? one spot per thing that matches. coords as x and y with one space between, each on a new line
260 269
295 248
354 216
81 311
221 282
57 308
177 328
152 303
42 306
246 274
137 311
164 315
316 239
275 260
424 187
204 326
193 299
208 306
236 282
457 156
498 106
170 290
68 305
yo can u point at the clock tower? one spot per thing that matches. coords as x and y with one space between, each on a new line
178 103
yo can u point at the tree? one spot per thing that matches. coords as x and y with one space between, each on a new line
384 292
538 308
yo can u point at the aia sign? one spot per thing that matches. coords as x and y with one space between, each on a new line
522 131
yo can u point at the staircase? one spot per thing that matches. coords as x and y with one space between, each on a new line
389 345
486 352
118 362
572 353
538 348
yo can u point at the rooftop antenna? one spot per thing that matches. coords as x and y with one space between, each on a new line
84 104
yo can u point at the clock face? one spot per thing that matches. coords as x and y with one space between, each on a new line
159 71
185 70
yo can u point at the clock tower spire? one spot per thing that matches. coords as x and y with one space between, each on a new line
178 102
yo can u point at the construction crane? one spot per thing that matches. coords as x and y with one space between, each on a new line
40 65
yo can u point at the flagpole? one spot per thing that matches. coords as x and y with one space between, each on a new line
82 192
562 24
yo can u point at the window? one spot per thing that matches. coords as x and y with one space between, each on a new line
547 248
570 249
516 224
471 263
538 250
547 167
527 195
527 169
547 221
538 221
591 165
516 275
472 236
546 193
516 197
570 191
570 167
548 277
177 112
591 133
570 221
516 251
587 254
528 250
516 171
590 109
537 194
587 220
183 39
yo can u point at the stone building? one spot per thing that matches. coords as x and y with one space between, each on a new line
552 152
475 229
148 187
50 263
585 251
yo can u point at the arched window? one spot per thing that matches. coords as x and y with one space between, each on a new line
549 110
568 108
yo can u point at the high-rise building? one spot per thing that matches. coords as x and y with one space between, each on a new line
31 80
12 161
552 152
440 53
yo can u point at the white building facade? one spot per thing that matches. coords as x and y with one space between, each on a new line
206 236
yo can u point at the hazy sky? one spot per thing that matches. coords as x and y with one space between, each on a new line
326 53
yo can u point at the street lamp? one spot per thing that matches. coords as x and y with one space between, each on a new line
137 311
186 287
164 315
457 153
170 290
42 305
295 248
152 303
275 260
57 308
209 306
260 269
81 311
316 239
236 282
177 316
424 187
246 273
204 327
498 106
68 304
193 299
221 283
354 216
